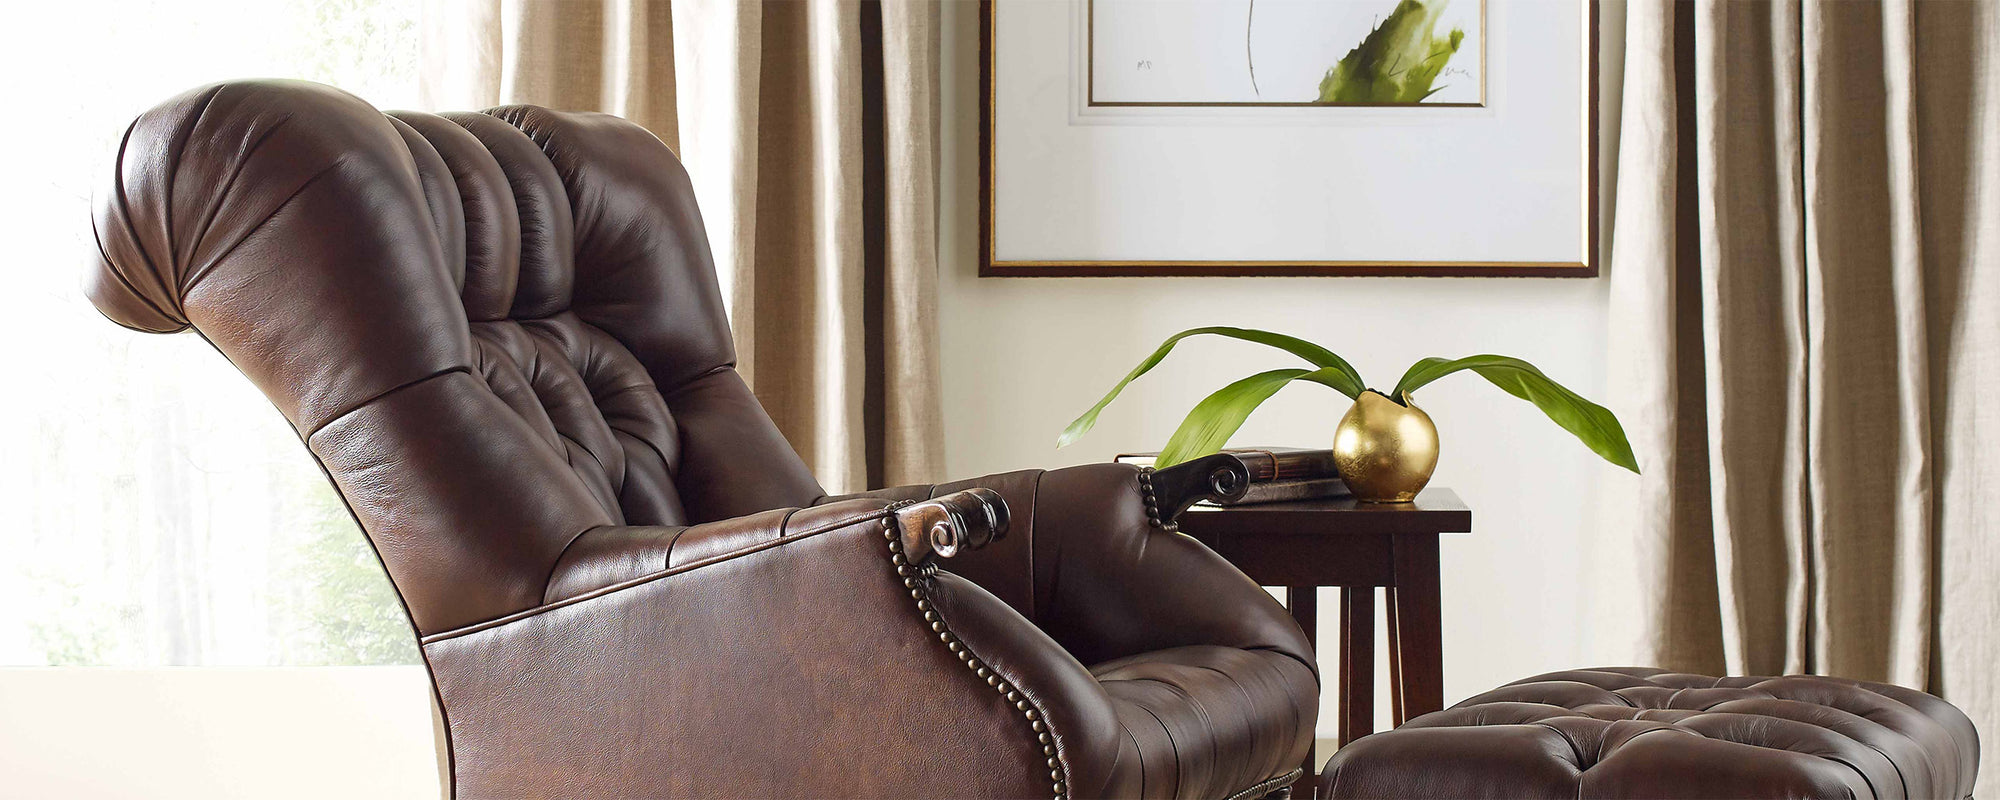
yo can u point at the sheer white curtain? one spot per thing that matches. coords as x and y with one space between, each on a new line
161 512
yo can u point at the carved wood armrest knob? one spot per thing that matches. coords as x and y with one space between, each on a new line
1217 478
946 525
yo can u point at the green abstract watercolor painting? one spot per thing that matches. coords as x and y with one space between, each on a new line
1398 62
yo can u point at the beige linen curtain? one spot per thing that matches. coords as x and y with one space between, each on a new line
1805 314
809 130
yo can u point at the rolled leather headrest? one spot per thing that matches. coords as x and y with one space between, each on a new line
288 223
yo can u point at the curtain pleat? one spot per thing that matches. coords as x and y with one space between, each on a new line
1753 323
1653 576
719 47
1869 459
911 429
808 131
1833 162
638 77
1958 167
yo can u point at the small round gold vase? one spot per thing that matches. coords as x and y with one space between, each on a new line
1385 450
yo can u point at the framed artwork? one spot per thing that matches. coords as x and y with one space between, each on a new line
1288 137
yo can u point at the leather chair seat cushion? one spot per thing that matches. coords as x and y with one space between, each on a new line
1207 721
1637 732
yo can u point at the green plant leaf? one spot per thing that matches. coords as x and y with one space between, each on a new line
1430 369
1338 374
1397 61
1212 421
1591 423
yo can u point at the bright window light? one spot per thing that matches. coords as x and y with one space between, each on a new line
164 513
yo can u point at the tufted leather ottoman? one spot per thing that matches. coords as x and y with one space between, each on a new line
1633 732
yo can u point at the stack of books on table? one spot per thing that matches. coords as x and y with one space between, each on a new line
1277 474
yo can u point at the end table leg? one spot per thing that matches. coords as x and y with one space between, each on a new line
1395 661
1416 635
1357 662
1304 604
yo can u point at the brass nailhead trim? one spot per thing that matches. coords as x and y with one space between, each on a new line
1264 788
1153 503
919 579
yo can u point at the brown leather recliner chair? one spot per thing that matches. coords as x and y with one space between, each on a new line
500 336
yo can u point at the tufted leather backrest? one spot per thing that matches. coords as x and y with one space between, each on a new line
494 331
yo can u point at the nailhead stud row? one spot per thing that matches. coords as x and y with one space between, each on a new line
918 579
1153 503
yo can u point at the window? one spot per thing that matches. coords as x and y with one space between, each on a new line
164 513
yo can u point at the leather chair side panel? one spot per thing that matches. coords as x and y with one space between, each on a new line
771 674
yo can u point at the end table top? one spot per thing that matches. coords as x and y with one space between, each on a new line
1436 510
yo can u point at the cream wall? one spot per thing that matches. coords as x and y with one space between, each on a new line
1023 356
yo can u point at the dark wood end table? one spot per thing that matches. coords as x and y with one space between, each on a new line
1304 545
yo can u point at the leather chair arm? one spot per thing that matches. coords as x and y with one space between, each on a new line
720 671
944 526
1095 571
1097 564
